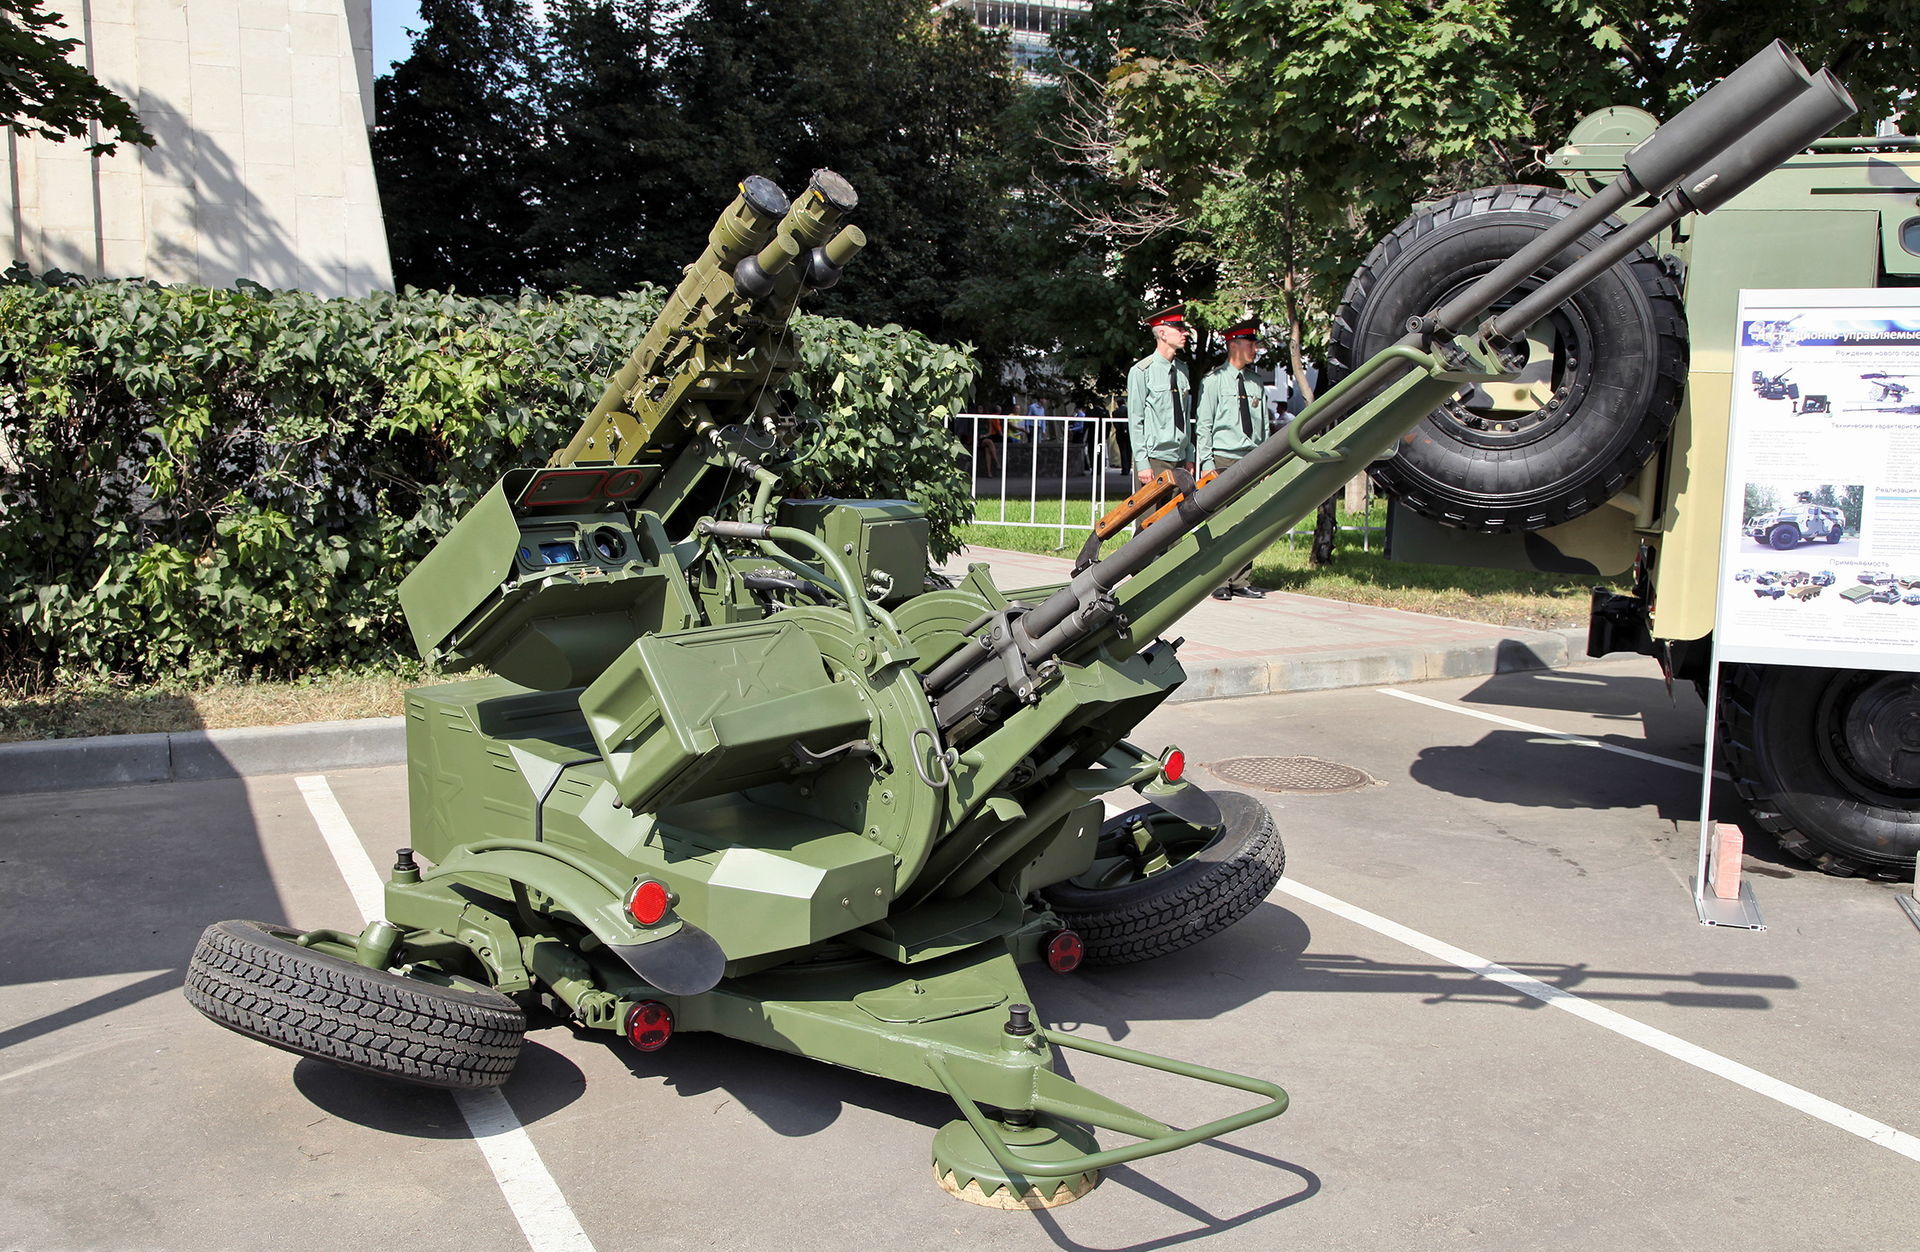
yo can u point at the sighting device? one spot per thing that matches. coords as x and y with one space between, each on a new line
739 767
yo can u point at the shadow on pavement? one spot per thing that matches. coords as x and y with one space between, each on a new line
1673 724
1207 1224
1269 952
792 1096
1521 768
543 1083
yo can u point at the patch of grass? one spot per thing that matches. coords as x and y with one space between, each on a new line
108 709
1360 572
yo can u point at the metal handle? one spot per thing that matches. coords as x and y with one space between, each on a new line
1010 1160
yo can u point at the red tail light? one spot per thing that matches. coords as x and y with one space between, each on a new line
649 1025
1064 952
649 901
1174 765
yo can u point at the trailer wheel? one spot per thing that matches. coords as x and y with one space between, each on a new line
252 977
1783 536
1597 397
1828 761
1159 884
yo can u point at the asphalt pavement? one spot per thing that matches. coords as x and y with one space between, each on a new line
1481 981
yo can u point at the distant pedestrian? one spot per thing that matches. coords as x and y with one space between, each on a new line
986 446
1080 441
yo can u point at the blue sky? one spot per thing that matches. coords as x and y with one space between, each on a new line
391 18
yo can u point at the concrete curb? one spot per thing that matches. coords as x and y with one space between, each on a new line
200 755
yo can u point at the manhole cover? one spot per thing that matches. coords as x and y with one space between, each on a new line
1299 775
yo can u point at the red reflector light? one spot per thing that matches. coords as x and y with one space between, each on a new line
1174 766
649 1025
1064 952
648 902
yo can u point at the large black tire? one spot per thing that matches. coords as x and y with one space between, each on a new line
1211 879
1617 364
1836 534
252 977
1819 757
1783 536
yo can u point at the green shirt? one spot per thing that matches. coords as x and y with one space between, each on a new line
1151 386
1219 431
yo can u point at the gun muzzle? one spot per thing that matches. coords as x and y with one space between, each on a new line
825 264
753 277
1767 82
1822 105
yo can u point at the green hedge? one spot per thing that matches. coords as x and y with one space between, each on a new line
196 480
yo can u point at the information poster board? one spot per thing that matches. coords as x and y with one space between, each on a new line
1820 541
1820 558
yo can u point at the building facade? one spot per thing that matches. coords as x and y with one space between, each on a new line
260 168
1029 25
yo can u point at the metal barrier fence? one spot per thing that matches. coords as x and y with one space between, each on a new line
1060 473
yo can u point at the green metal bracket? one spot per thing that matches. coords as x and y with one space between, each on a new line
1352 382
1151 1144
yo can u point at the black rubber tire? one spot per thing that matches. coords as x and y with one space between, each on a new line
1184 903
1836 534
252 977
1784 733
1617 381
1783 536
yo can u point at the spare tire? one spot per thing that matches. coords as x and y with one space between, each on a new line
1596 399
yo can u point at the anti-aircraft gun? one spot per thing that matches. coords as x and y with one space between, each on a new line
738 769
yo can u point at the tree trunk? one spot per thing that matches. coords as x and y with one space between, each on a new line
1326 525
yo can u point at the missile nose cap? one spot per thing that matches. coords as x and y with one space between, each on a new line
837 190
764 195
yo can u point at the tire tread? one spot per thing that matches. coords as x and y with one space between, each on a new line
247 977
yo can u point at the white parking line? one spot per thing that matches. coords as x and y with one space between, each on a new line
1620 1024
545 1217
1668 761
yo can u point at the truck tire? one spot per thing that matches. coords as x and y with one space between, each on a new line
1617 364
1836 534
1783 536
1209 880
1820 759
252 977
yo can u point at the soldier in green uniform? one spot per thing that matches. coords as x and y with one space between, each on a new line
1230 419
1160 399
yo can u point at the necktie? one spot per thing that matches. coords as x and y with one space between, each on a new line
1246 418
1173 394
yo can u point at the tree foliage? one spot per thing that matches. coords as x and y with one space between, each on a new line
44 92
592 142
1288 135
195 480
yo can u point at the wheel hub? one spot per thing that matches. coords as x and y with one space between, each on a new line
1543 397
1880 732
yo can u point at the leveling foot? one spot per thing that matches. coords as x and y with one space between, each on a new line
965 1167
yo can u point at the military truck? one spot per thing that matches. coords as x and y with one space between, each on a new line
1797 523
1606 455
